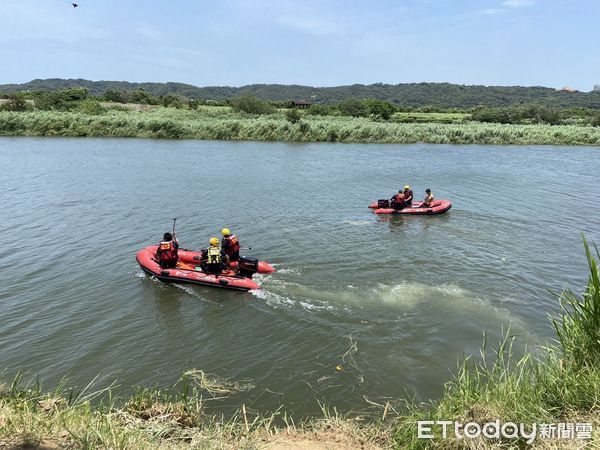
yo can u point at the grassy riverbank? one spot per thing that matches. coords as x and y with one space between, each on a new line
556 384
221 123
167 419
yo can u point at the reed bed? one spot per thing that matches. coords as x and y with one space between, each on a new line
224 124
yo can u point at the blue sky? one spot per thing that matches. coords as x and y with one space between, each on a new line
320 43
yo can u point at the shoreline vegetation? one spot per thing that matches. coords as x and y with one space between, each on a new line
225 125
559 383
75 113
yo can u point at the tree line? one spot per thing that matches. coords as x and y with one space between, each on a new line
81 100
405 95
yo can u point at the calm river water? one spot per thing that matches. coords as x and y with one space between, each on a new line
411 293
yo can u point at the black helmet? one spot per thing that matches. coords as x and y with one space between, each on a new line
168 237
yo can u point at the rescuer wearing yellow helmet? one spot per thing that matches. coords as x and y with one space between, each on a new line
230 244
408 195
214 259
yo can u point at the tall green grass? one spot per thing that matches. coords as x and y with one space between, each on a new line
430 117
578 326
558 383
224 124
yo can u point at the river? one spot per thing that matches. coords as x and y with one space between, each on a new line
394 301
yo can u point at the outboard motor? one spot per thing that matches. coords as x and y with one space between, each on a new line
247 266
383 203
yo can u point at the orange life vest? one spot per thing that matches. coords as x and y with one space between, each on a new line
232 245
167 252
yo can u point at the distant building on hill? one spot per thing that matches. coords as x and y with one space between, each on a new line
302 104
568 89
597 87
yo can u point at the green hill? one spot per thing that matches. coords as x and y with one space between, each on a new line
439 95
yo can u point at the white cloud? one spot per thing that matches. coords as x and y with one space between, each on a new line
517 3
493 11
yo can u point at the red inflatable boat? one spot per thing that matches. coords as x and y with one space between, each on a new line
437 207
188 272
190 257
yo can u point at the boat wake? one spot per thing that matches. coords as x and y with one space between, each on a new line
382 299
